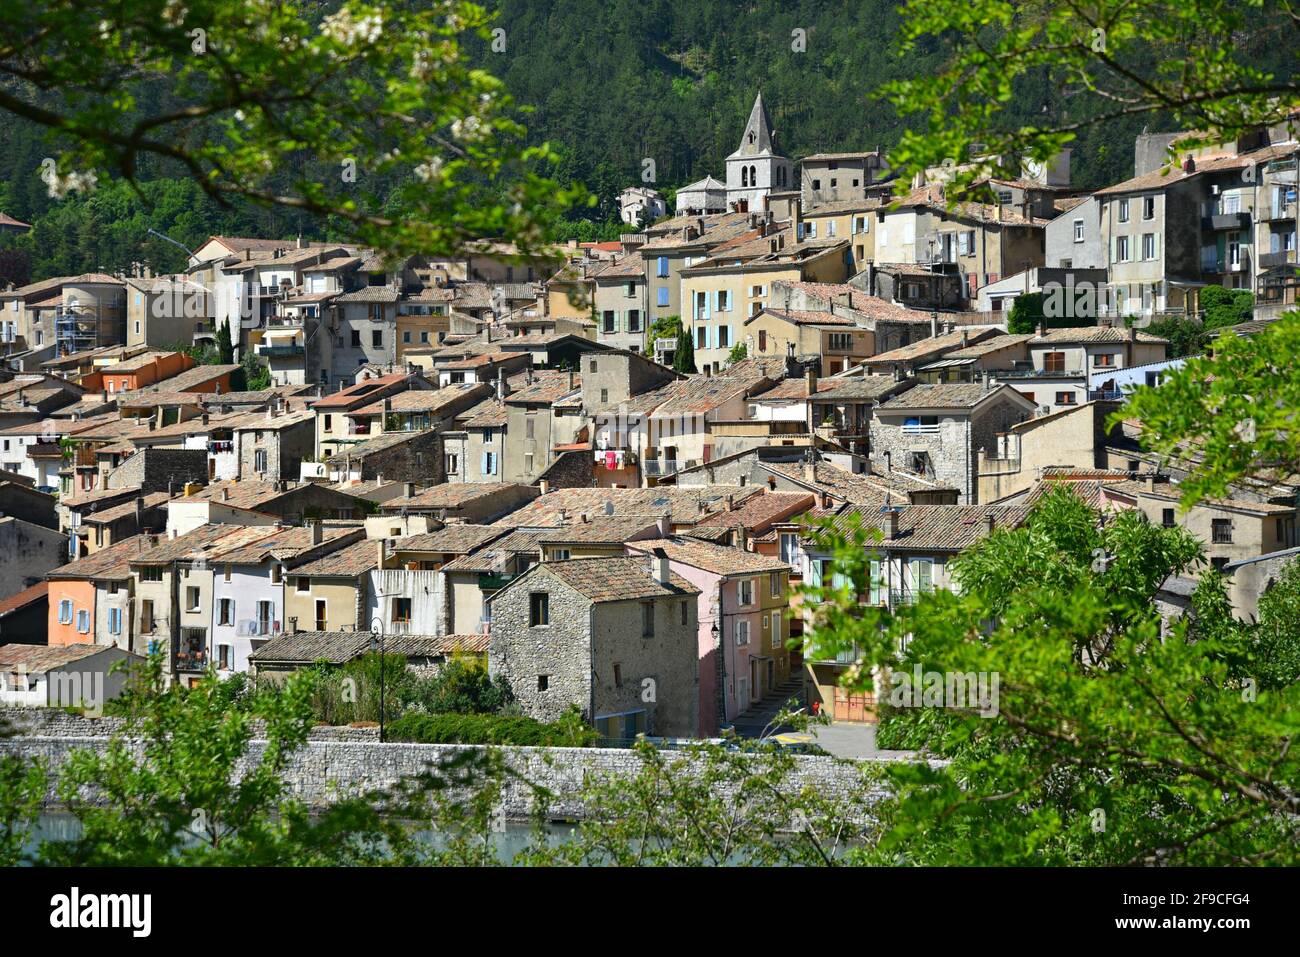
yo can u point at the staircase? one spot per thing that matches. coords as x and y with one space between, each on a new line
752 723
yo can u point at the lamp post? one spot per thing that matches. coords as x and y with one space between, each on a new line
377 644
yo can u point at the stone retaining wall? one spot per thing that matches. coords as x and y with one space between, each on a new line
325 770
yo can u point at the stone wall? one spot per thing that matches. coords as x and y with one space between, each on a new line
324 771
160 470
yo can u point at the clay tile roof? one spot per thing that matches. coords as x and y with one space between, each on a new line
613 579
547 386
359 393
947 395
609 530
758 512
340 647
419 400
947 528
1072 334
449 495
38 659
933 346
1166 176
807 317
683 504
348 562
719 559
451 540
379 443
24 598
488 414
112 562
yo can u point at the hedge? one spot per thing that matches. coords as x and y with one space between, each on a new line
490 729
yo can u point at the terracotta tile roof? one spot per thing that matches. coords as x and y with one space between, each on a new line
379 443
448 495
107 516
24 598
944 528
758 512
854 488
488 558
547 386
340 647
38 659
806 317
112 562
881 310
450 540
348 562
1091 334
1167 491
946 395
601 530
718 559
488 414
359 393
421 400
370 294
699 395
99 495
282 543
242 494
622 268
932 347
610 579
683 505
987 346
1161 178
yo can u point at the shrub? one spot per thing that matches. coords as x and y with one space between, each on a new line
568 732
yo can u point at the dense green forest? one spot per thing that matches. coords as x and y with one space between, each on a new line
610 83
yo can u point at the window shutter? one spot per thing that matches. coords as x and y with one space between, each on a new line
484 467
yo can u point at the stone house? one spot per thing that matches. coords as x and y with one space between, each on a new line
475 443
742 605
1073 437
272 446
619 303
913 556
334 430
936 431
540 416
401 456
614 637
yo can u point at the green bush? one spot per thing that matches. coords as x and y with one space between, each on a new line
570 731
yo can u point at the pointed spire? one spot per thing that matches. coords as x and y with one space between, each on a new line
758 131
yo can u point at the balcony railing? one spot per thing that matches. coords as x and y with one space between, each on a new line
1285 211
1220 221
920 429
660 466
1281 258
1104 395
907 596
280 352
192 660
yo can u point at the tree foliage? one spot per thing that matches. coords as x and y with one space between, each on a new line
1110 740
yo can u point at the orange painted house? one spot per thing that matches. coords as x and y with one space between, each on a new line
90 599
145 370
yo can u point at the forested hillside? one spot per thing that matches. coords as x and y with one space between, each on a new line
609 83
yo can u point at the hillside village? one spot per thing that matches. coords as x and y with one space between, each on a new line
591 466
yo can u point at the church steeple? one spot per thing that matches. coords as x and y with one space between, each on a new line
757 138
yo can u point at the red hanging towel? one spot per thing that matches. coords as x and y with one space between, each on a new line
610 459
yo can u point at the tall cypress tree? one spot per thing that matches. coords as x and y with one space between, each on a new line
684 356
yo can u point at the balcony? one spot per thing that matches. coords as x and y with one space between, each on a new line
907 596
1272 260
1105 395
493 582
190 661
1286 211
280 352
1216 222
660 466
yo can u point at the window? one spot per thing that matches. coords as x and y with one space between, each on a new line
529 427
115 621
146 616
489 463
1123 210
777 640
611 322
661 296
192 598
1065 398
1054 362
604 396
83 621
276 572
634 320
742 633
618 675
1078 230
790 548
259 461
1221 531
377 338
65 612
724 300
543 682
1148 207
1122 254
1148 246
661 269
320 614
629 290
406 336
774 585
686 612
356 338
302 585
226 612
1167 517
840 341
539 609
453 463
724 337
647 619
401 611
1105 360
746 591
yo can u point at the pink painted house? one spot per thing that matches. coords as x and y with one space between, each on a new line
743 628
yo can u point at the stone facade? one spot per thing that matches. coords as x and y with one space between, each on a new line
283 448
160 470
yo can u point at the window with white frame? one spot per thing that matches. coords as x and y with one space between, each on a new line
65 612
1078 230
745 591
742 632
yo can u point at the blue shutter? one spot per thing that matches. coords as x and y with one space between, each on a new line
483 469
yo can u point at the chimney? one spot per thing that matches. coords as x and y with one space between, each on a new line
731 503
503 386
1151 481
1042 329
609 507
225 493
379 553
570 380
564 515
659 566
543 486
990 521
664 525
888 464
934 323
965 336
204 418
408 489
292 628
315 532
810 381
810 468
889 522
139 512
1132 333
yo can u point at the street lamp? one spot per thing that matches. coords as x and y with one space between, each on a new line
377 644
